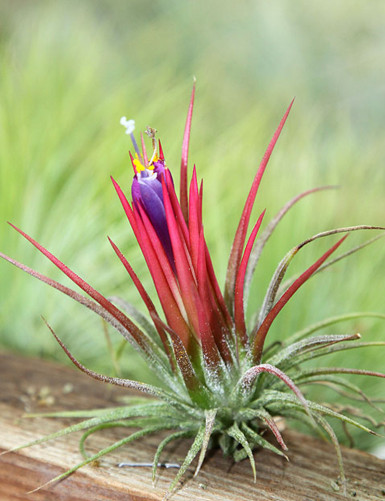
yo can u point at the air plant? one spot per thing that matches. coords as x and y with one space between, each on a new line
218 383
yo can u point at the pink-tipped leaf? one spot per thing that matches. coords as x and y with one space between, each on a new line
145 297
184 160
239 314
99 298
240 235
250 375
265 326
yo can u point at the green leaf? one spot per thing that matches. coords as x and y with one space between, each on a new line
288 282
278 403
335 348
262 442
330 321
111 415
311 344
162 445
240 437
210 421
329 430
193 451
103 452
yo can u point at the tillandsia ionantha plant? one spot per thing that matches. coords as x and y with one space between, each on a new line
218 383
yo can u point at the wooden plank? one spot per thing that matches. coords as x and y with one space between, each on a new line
35 385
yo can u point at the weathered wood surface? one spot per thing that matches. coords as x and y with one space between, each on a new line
35 385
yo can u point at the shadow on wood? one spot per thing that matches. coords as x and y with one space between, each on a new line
38 386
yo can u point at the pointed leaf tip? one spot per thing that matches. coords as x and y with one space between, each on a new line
184 160
270 317
240 235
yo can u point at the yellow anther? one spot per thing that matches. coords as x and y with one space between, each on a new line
138 164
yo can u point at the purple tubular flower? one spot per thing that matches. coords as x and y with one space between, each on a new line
146 190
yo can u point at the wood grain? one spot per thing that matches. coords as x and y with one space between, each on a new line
36 385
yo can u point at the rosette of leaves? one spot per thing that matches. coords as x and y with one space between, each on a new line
218 383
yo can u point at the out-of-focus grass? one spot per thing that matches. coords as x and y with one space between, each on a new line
70 70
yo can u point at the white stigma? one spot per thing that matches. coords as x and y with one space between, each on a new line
128 124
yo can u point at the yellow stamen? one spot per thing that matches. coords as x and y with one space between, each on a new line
139 167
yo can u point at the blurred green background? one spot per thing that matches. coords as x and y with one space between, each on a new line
70 70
